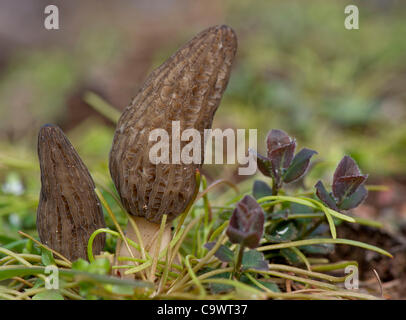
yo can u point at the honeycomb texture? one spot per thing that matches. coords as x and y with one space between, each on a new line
187 88
69 210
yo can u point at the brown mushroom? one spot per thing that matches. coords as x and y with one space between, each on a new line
187 88
68 210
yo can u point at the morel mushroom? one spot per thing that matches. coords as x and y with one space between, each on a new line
187 88
69 210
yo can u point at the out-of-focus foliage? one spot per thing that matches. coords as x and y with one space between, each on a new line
337 91
340 91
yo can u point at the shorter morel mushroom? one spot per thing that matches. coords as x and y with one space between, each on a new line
68 210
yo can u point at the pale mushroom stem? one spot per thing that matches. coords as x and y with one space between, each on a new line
149 233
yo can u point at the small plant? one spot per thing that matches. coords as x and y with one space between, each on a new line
246 227
348 187
279 227
280 163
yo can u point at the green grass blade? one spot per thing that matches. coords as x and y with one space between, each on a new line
321 241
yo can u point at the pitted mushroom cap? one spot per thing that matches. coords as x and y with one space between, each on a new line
68 210
187 88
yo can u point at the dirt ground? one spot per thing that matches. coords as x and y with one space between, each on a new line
389 207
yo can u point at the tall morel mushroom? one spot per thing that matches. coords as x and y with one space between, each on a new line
69 210
187 88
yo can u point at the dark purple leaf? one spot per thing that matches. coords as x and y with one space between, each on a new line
299 165
281 149
223 253
263 163
344 187
289 153
346 167
261 189
247 223
235 235
281 158
324 196
276 139
355 199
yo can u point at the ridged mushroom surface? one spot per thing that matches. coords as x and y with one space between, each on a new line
69 210
187 88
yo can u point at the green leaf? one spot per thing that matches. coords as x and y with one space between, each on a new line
80 264
223 253
266 283
355 199
253 259
216 288
324 196
47 257
28 246
38 283
48 295
99 266
291 256
261 189
299 165
300 208
270 285
284 232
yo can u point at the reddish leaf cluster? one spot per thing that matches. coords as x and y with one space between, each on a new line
280 163
348 187
247 223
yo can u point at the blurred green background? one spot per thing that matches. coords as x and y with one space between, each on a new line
297 69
